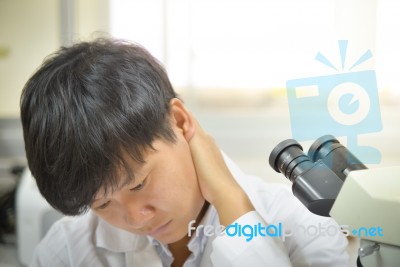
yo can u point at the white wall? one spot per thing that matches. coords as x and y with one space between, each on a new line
28 32
92 18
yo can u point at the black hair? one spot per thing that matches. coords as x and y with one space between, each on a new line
83 109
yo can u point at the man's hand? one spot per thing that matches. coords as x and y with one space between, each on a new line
216 182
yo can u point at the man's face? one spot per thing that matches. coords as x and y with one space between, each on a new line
162 199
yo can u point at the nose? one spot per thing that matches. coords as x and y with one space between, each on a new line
138 216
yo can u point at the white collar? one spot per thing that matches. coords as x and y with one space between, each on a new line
117 240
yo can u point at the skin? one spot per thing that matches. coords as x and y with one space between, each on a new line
172 186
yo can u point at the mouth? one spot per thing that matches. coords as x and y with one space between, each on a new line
159 230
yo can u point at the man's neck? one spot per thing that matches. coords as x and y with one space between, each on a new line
179 249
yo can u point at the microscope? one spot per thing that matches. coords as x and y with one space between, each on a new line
331 181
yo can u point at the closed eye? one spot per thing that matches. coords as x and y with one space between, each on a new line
139 186
103 206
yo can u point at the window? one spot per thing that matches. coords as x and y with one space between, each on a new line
253 46
388 46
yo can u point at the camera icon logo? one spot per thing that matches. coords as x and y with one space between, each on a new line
344 104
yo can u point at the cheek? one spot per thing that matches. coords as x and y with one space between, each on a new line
190 171
180 179
185 173
177 189
189 194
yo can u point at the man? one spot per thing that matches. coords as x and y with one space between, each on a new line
107 137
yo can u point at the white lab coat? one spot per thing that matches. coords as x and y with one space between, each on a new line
88 241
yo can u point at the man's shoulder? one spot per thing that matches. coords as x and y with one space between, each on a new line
73 241
69 230
274 201
261 191
268 197
89 230
64 239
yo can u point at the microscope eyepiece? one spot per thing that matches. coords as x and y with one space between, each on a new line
317 177
289 159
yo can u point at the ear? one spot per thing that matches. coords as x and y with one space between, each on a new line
182 119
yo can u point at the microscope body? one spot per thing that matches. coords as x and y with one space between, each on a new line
369 202
331 181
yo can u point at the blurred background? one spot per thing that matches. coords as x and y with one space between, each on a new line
228 60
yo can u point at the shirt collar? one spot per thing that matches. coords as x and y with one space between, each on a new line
117 240
197 242
199 239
